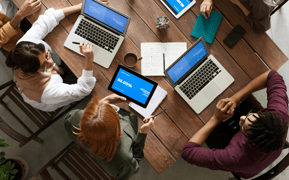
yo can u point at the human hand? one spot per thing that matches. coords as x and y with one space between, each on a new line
87 51
148 124
222 110
113 98
206 7
29 7
104 1
234 104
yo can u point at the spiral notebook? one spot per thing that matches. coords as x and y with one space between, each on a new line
158 96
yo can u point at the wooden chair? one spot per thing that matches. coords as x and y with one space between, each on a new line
278 6
78 161
283 164
40 118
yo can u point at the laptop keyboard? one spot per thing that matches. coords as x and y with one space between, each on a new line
96 35
200 79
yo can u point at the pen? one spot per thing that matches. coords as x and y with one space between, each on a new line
164 62
159 113
79 43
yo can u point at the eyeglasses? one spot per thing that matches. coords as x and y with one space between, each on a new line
251 111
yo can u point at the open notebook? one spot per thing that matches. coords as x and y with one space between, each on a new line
155 101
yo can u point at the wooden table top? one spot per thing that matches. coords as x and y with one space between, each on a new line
179 123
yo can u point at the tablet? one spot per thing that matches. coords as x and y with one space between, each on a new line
178 7
132 85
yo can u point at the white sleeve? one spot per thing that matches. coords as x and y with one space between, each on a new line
44 24
60 92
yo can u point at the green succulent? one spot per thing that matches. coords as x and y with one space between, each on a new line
6 170
162 22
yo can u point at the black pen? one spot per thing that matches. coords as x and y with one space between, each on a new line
159 113
79 43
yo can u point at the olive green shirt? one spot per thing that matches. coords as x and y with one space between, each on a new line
126 161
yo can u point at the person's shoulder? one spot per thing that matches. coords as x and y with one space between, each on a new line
73 117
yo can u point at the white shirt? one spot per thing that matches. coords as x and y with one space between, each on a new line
8 8
56 94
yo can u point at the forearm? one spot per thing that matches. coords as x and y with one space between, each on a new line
88 65
16 20
72 9
243 8
255 85
201 136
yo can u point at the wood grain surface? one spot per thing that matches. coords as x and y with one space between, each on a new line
179 123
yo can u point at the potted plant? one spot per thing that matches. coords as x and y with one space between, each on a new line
12 168
162 23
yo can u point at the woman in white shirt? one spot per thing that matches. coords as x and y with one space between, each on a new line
35 73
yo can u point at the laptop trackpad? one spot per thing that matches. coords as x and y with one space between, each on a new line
212 91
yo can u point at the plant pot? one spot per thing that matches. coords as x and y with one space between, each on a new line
21 165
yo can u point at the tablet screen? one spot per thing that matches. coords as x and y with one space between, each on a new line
176 6
133 86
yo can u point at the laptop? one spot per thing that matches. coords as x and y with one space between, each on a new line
101 26
198 77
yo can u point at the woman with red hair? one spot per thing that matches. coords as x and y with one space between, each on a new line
110 133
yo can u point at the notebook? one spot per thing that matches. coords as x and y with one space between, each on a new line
158 96
207 27
156 57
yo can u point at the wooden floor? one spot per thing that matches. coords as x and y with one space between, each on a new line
173 128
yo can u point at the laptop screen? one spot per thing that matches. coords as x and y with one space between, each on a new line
105 15
187 62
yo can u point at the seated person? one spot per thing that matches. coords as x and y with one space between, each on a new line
255 143
10 17
256 11
110 134
35 73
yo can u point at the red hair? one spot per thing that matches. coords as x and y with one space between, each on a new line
100 127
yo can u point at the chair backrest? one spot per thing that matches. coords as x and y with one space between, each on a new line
78 161
39 119
273 172
278 6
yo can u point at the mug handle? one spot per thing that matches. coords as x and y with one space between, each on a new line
140 58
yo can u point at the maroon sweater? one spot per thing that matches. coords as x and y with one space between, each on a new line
240 156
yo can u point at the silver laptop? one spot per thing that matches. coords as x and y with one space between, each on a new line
198 77
103 27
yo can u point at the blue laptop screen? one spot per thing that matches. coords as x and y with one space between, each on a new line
187 62
132 86
177 5
105 15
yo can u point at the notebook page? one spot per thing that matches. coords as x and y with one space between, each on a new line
155 101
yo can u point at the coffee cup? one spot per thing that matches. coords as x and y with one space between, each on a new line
131 59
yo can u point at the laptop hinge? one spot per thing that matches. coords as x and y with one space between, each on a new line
180 81
102 25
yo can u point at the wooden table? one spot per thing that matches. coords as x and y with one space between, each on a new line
173 128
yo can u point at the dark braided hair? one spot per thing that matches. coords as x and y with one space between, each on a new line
25 57
268 132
